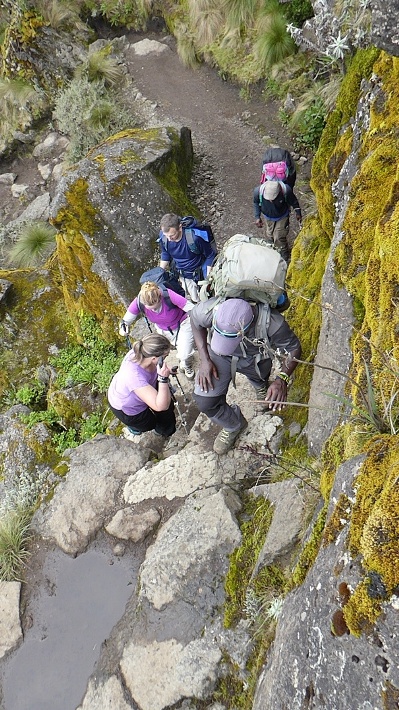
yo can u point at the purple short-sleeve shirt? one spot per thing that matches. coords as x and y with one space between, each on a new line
130 377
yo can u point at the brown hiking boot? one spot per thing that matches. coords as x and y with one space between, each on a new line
225 439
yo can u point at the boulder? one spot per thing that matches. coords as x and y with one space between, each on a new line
107 212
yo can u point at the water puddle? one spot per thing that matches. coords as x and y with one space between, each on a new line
72 614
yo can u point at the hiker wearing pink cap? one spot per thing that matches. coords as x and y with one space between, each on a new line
244 338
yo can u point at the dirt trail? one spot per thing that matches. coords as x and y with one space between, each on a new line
228 132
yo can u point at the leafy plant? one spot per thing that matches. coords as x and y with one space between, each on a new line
47 416
94 362
34 244
29 394
308 125
123 13
298 11
65 440
74 436
88 112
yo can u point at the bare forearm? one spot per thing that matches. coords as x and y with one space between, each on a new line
162 400
200 338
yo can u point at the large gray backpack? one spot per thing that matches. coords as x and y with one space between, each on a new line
249 268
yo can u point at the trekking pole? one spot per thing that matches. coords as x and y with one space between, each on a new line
174 374
174 399
181 415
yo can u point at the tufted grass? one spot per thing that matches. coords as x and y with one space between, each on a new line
274 43
14 539
58 14
34 244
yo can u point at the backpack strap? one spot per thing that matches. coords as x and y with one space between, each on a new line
261 340
192 242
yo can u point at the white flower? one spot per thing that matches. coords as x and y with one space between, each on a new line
275 608
337 46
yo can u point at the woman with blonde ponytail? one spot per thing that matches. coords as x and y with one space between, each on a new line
139 394
168 311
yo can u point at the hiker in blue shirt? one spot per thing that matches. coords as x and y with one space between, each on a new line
272 201
191 247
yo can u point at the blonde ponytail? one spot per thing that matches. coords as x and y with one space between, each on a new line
150 295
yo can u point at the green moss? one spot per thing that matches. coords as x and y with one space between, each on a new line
335 143
304 280
242 561
373 532
38 315
310 550
337 520
376 508
84 290
361 611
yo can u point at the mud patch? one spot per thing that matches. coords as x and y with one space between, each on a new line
70 616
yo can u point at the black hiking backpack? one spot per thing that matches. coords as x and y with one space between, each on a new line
164 280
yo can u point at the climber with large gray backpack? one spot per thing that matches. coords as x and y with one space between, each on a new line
237 327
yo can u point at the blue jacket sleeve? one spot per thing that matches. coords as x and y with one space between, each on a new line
291 199
209 255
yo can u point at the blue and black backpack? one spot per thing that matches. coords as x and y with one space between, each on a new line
164 280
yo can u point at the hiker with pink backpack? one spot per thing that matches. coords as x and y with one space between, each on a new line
278 164
273 199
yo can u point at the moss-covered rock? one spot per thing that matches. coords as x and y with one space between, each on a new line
33 324
107 214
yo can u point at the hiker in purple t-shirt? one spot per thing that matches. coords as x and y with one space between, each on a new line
170 317
139 394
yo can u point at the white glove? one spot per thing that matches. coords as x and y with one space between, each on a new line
123 329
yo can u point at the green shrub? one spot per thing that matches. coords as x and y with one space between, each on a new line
74 436
93 362
298 11
307 128
130 14
30 394
88 113
46 416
